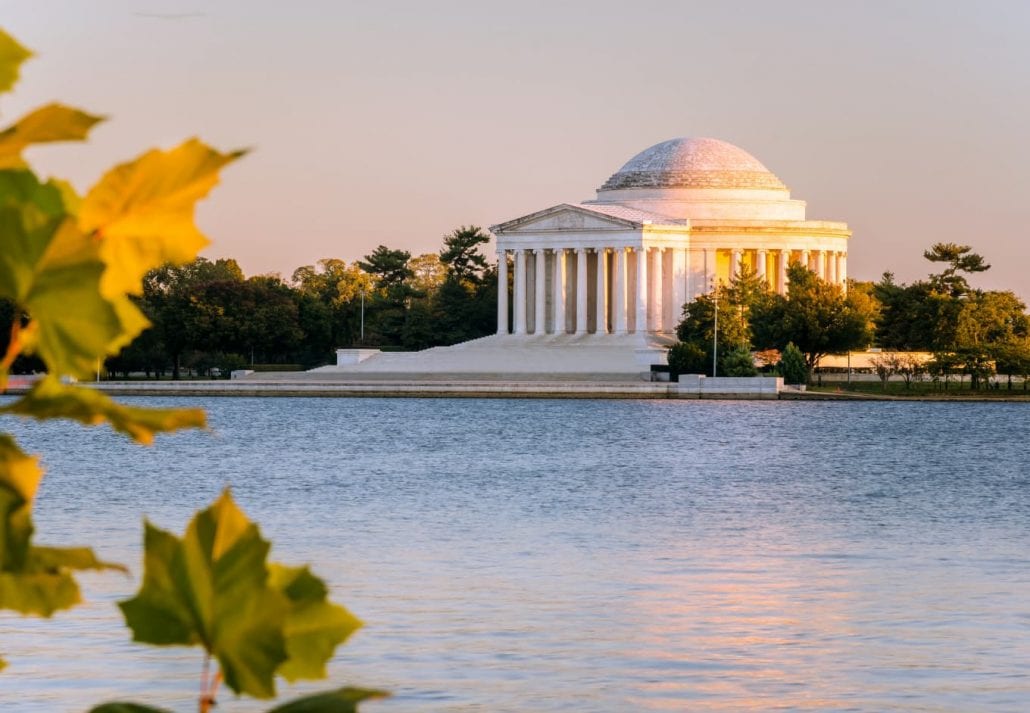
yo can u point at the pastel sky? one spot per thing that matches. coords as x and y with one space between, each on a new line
395 122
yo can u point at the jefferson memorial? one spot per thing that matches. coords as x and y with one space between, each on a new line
598 286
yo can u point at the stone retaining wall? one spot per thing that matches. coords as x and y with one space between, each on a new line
690 387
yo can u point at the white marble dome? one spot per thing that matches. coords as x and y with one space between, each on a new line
693 163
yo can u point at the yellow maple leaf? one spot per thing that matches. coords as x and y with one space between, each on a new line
143 212
54 122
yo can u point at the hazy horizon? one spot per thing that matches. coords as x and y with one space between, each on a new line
394 123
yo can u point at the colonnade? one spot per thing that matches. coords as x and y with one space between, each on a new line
602 290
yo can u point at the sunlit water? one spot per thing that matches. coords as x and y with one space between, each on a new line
579 555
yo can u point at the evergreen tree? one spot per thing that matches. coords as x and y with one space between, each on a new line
792 366
960 258
738 362
460 254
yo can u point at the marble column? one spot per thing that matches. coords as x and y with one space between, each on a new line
842 273
734 264
761 258
520 296
601 298
781 283
641 306
680 286
658 289
806 259
710 265
820 264
559 279
502 292
620 303
539 316
581 291
831 268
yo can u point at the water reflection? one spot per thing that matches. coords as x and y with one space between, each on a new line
587 556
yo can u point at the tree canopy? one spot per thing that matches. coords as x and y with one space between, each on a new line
816 316
206 314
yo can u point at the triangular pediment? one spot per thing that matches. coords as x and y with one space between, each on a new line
564 217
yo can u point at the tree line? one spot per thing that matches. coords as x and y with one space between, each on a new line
968 331
207 315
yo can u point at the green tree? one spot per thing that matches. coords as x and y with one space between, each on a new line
735 304
689 358
914 317
988 323
386 309
182 321
1013 359
959 258
816 316
460 254
340 288
389 268
739 362
792 366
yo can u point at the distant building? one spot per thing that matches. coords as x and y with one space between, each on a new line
676 218
599 286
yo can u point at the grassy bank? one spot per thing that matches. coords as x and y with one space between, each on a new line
924 389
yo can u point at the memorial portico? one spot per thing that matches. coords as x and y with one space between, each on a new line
675 220
594 290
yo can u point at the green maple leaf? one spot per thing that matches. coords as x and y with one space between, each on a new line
211 588
214 588
19 477
314 626
53 270
49 398
123 707
33 580
342 700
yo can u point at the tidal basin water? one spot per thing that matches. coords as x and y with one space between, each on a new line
516 555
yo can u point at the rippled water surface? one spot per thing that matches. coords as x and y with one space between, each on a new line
580 555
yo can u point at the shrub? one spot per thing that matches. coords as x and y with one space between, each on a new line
792 365
688 358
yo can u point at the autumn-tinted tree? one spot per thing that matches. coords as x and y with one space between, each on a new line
427 273
339 287
990 325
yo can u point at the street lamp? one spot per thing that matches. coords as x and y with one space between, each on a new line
715 332
362 340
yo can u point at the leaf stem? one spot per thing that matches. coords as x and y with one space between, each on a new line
204 672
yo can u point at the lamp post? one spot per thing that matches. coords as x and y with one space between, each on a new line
715 331
362 339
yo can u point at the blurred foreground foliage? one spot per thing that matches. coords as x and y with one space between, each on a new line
73 267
